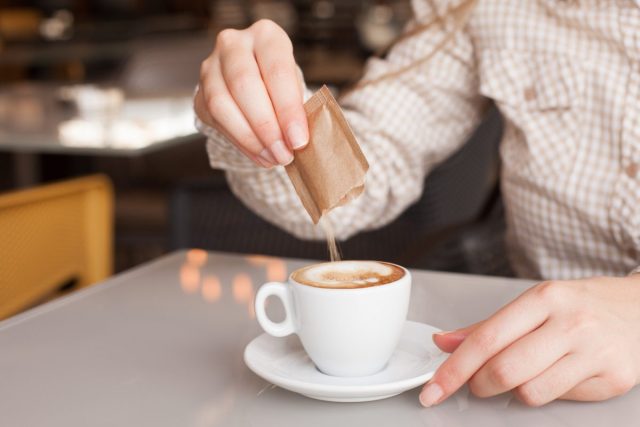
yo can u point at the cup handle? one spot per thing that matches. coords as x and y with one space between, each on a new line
280 290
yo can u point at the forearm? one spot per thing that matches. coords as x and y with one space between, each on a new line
405 126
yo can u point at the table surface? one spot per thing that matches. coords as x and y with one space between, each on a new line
34 120
162 345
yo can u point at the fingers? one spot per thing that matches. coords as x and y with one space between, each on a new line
451 340
599 388
513 321
244 82
556 381
202 112
274 54
251 92
520 362
200 107
222 113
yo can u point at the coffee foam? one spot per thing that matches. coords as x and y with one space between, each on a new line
348 274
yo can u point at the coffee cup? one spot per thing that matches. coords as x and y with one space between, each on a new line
349 315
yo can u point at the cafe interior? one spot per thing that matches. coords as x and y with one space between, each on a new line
129 271
102 169
136 289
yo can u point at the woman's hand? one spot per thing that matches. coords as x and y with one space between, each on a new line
251 90
576 340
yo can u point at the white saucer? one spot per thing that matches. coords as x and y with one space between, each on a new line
283 362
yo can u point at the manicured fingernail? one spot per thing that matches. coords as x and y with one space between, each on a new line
431 394
281 153
297 136
266 155
451 335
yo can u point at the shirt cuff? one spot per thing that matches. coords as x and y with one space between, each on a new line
636 271
222 153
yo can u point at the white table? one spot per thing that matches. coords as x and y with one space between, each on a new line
33 121
162 345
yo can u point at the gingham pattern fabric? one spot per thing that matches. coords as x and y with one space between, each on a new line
566 77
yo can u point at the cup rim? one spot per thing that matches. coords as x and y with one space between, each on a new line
407 274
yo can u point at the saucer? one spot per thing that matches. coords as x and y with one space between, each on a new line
283 362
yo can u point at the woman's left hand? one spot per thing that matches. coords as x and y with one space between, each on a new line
576 340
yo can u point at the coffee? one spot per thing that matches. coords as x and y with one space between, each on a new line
348 274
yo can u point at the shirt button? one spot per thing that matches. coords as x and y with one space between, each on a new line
530 93
632 170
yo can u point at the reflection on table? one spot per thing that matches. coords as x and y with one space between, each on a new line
89 119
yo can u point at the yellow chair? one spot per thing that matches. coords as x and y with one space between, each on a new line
51 235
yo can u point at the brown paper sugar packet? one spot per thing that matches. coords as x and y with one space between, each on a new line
330 170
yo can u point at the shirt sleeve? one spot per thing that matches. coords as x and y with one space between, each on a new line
405 125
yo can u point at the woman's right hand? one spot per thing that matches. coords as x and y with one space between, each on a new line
251 91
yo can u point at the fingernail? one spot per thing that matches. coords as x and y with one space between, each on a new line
266 155
431 394
281 153
297 136
451 335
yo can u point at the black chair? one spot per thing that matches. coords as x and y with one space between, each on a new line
457 222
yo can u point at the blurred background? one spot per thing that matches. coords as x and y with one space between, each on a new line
104 87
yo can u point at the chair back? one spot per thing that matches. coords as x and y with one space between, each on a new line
53 235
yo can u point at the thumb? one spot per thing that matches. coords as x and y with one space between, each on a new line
448 341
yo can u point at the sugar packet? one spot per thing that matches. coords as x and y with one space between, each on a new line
330 170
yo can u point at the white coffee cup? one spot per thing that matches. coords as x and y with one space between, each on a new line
347 332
